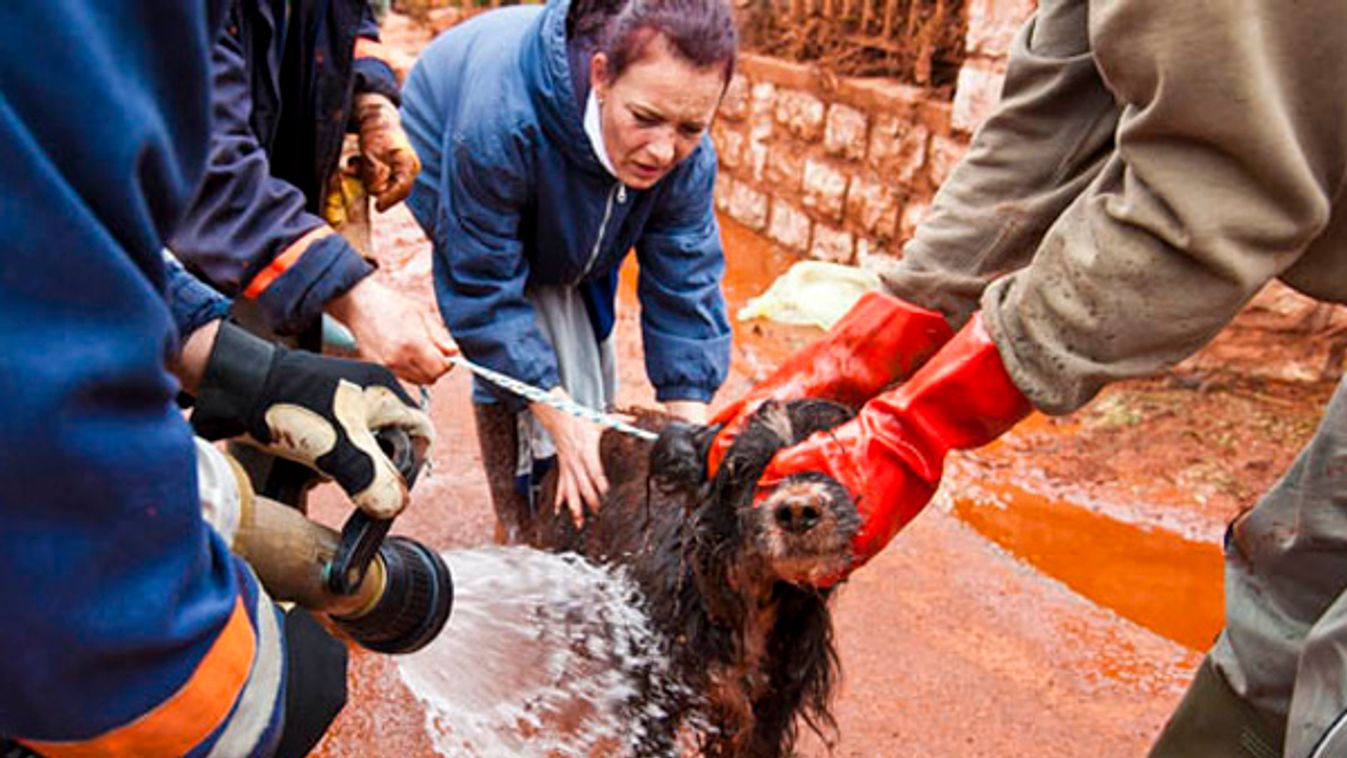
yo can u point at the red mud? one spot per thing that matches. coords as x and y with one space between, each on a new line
1155 578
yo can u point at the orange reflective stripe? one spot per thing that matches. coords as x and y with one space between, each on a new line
282 263
182 722
369 48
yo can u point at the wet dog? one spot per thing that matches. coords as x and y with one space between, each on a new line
749 642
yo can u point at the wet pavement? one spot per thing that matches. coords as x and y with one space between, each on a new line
1007 620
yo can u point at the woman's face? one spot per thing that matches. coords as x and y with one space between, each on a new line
655 113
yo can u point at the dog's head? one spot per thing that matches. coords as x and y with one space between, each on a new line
755 620
802 531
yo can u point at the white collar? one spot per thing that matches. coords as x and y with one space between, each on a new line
594 130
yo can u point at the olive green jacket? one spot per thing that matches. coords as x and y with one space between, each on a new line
1151 165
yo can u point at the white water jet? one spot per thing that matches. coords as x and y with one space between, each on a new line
542 656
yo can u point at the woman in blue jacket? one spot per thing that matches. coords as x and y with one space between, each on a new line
554 140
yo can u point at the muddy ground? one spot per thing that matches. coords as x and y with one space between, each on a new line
1052 602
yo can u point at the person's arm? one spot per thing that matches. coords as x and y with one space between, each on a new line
1045 142
317 410
480 275
691 411
389 165
247 232
196 310
373 64
1230 158
135 630
190 363
684 327
314 409
480 268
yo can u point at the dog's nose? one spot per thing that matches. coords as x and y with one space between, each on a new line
798 516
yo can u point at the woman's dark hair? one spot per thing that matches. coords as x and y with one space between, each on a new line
701 32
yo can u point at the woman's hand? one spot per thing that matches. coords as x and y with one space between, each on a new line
691 411
580 479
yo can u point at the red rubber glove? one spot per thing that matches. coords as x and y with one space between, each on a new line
891 455
879 341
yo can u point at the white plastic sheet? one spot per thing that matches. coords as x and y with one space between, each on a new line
812 293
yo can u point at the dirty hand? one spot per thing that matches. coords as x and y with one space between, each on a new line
389 165
391 330
580 478
879 341
313 409
889 458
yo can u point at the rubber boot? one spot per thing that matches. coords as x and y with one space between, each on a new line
497 434
1213 722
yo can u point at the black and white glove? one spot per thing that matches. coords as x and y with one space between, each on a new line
313 409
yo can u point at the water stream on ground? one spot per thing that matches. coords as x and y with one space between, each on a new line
541 657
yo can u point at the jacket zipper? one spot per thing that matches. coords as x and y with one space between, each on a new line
618 192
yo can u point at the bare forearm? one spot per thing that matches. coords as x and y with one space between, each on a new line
191 362
691 411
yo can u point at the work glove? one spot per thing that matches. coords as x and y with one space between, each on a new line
890 456
389 164
881 340
317 410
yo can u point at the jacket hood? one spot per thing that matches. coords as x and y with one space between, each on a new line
547 71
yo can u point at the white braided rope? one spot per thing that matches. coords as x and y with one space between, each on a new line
531 393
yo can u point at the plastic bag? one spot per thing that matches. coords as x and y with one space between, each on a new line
812 292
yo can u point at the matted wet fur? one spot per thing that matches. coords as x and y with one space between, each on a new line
751 651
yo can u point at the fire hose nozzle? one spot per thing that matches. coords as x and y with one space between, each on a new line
390 594
414 605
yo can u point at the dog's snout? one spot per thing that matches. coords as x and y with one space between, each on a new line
798 516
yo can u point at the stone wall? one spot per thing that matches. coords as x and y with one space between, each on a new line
839 168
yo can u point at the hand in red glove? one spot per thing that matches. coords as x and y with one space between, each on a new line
879 341
891 455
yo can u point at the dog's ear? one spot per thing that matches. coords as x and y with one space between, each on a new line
814 415
678 457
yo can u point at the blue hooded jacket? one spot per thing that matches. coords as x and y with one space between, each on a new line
512 194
